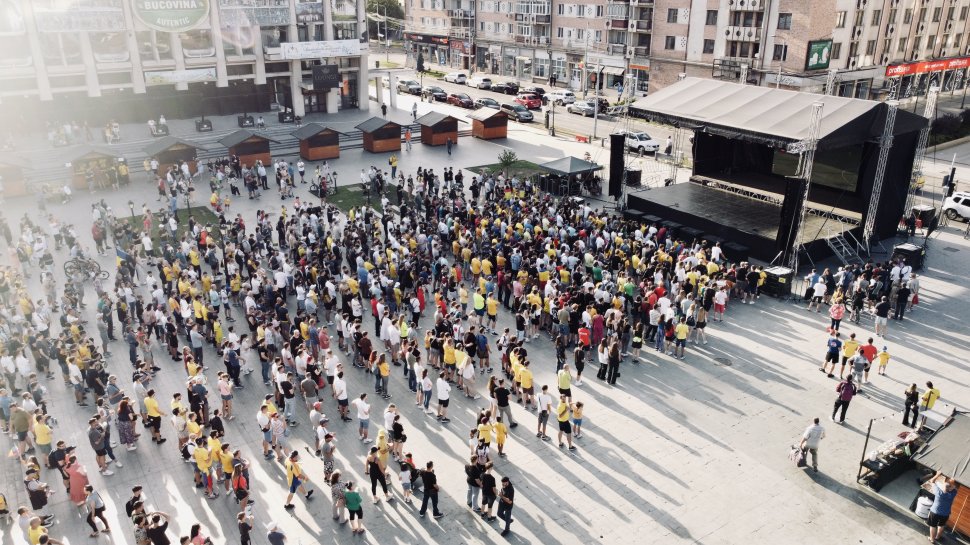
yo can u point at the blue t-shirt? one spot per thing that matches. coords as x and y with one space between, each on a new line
943 501
834 345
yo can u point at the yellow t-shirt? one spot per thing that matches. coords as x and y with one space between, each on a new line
151 407
33 534
292 471
492 304
449 354
930 397
485 432
525 377
193 427
681 331
42 434
850 348
562 411
225 459
202 459
500 432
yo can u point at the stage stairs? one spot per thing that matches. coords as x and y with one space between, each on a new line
843 248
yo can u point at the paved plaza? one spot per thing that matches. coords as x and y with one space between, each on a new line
678 451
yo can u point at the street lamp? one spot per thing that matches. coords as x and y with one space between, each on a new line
781 59
131 208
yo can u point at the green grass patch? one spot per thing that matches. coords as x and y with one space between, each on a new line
352 196
202 214
520 168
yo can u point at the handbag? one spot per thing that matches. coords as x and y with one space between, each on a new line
797 455
916 299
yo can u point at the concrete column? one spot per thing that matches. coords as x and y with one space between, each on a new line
333 100
392 89
260 58
179 56
90 65
215 24
296 67
380 91
36 53
134 56
363 94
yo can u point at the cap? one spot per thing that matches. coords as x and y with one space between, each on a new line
316 405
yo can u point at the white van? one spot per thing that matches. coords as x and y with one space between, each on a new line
561 98
479 82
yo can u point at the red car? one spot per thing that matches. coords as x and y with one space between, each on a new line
529 100
461 99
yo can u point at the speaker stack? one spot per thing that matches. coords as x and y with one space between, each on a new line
778 282
617 144
912 253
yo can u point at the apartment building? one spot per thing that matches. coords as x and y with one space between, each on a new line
133 60
803 41
530 40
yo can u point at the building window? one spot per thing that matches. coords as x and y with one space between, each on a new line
672 15
937 14
922 15
963 13
541 67
562 9
712 17
708 47
853 49
784 21
902 46
859 18
780 53
907 16
917 44
950 13
876 17
871 47
931 42
836 51
840 19
669 42
892 16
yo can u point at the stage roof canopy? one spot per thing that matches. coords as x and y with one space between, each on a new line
570 165
770 116
948 450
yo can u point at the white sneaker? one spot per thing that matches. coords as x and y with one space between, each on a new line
107 473
131 448
118 464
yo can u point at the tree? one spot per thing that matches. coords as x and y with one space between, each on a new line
394 12
419 66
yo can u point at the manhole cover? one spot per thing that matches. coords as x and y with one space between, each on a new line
723 361
951 249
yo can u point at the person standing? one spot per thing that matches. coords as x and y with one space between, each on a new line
811 438
274 535
911 396
942 503
929 396
384 111
562 414
414 111
354 503
506 499
407 138
363 417
430 482
846 390
902 300
444 393
473 478
95 508
882 316
448 145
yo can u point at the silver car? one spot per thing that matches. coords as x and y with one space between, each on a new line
583 107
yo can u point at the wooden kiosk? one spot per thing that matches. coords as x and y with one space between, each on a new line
249 147
171 151
318 142
14 182
437 128
489 123
381 135
94 162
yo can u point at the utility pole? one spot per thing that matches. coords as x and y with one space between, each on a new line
387 37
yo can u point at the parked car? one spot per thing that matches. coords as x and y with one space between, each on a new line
604 104
437 93
537 91
583 107
529 100
456 77
506 87
561 97
461 99
517 112
479 82
957 206
486 103
641 142
409 86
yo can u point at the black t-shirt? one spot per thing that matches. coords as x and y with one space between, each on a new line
882 309
157 534
502 396
244 528
488 484
509 492
472 473
286 387
430 480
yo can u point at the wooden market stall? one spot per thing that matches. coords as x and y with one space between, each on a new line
12 178
380 135
318 142
94 167
171 151
489 123
437 128
249 147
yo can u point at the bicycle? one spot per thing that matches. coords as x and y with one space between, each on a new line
85 266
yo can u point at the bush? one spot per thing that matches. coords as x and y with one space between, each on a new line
507 158
947 125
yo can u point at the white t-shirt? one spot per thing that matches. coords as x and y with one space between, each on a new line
426 384
819 289
444 389
363 408
545 402
340 388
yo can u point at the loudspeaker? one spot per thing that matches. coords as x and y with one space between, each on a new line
285 117
245 121
203 125
778 281
633 178
791 213
617 143
160 130
912 253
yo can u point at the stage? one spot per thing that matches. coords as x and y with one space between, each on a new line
729 216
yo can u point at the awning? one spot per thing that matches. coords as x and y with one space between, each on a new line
612 71
570 166
948 450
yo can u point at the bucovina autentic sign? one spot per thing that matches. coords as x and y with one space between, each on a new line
171 15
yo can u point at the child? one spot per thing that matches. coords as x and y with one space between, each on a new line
501 432
578 419
883 360
406 481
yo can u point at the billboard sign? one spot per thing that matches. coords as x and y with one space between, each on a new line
326 76
909 69
309 11
819 55
169 77
171 15
318 50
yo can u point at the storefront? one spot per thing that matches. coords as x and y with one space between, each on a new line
462 55
434 48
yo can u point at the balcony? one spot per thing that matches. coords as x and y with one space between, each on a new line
617 24
644 26
641 51
641 2
742 34
461 13
544 19
616 49
747 5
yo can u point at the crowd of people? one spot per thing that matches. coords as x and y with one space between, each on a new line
451 290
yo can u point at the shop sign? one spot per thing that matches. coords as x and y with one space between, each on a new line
309 11
171 15
317 50
819 55
908 69
170 77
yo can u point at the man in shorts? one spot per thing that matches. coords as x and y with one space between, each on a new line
882 316
155 415
832 348
340 394
295 478
444 395
944 495
363 417
545 407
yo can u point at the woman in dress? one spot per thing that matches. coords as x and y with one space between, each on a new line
127 418
77 478
337 496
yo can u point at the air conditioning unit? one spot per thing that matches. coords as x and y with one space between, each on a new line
949 26
857 31
919 29
890 29
633 25
885 59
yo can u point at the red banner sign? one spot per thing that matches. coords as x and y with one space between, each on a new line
908 69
